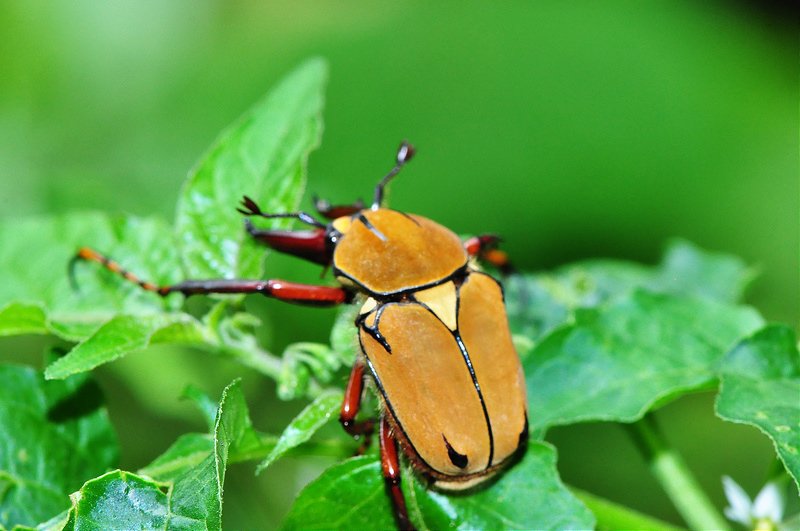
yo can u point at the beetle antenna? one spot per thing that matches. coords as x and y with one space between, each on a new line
404 153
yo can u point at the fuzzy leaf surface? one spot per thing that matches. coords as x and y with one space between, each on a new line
123 334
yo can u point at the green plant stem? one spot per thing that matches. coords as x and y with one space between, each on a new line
675 477
611 515
256 359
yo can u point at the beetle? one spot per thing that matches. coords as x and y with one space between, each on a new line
432 328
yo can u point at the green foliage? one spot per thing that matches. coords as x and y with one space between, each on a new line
55 435
180 490
36 295
761 387
311 419
351 495
264 156
604 340
538 303
620 360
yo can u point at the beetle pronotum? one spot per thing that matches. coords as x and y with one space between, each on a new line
432 329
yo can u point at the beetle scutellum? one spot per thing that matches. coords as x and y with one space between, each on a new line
432 329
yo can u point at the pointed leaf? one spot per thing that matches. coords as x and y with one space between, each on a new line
761 387
263 156
304 425
124 334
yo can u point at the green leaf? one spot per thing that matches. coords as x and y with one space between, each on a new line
343 340
264 156
18 318
187 452
180 490
539 303
688 270
352 495
204 403
122 500
232 431
35 295
761 387
55 435
616 362
124 334
304 425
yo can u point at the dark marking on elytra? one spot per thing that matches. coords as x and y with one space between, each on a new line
460 460
523 436
374 331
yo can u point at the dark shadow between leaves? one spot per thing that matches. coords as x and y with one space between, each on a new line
85 400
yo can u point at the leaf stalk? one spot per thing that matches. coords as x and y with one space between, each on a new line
675 478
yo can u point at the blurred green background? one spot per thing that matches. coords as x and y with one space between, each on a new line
575 130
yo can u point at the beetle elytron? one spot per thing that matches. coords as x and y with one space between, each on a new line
432 329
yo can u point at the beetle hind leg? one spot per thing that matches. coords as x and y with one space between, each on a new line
390 466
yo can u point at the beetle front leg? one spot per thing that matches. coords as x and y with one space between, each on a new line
390 466
277 289
351 405
312 245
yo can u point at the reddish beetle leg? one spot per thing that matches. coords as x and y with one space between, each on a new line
351 405
485 248
312 245
278 289
390 466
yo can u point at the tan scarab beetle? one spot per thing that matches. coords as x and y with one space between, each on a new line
432 328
